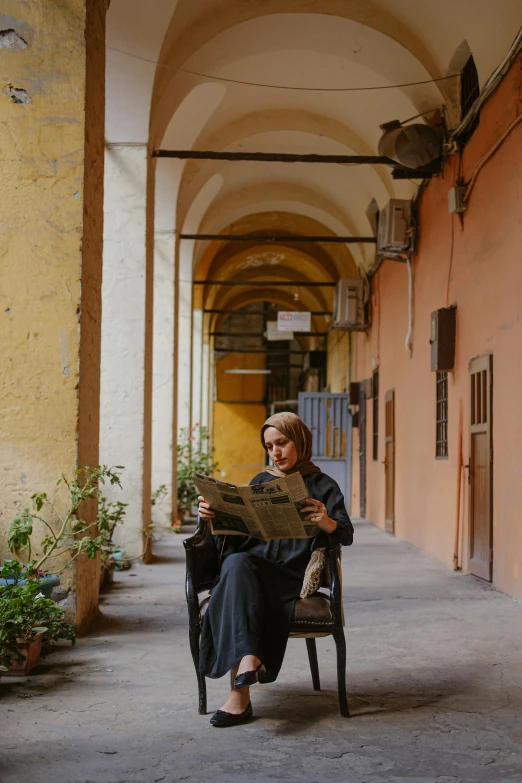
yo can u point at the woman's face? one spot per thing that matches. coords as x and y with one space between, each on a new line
281 449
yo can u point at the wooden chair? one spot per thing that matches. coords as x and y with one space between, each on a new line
318 615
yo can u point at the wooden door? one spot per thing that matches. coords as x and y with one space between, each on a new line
389 461
362 449
480 467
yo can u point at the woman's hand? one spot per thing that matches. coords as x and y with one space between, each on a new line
204 509
317 513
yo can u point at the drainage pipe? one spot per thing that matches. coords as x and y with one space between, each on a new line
410 306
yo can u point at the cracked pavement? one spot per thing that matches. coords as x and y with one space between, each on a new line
434 683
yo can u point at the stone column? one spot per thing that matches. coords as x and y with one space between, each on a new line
123 330
197 365
163 356
51 229
175 379
184 354
205 383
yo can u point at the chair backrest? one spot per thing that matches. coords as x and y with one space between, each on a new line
202 558
327 571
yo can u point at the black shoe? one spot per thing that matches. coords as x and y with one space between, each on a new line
223 719
247 678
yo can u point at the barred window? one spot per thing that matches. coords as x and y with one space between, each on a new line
441 449
375 432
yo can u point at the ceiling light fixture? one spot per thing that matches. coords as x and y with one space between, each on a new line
239 371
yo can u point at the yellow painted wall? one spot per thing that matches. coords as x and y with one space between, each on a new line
47 210
338 364
237 445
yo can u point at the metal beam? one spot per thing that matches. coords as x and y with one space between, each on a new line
268 283
281 238
277 157
243 402
271 351
259 312
260 334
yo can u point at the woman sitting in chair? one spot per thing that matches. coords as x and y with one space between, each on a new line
245 629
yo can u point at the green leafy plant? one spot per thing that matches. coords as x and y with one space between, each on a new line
110 515
67 534
158 495
25 612
195 455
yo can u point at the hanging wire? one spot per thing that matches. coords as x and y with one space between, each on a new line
281 86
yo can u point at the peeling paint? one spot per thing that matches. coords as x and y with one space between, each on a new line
9 39
18 94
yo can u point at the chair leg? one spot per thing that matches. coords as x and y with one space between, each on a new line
194 633
340 644
314 666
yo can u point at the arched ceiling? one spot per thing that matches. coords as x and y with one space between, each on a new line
293 43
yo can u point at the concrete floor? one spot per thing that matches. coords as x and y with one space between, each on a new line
434 681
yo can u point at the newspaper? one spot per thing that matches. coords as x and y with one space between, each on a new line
267 511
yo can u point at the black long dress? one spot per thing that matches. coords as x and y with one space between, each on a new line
251 607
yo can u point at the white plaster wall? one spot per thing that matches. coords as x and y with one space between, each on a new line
137 28
197 325
163 341
191 225
123 332
205 384
184 353
162 374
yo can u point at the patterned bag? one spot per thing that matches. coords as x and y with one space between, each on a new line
314 573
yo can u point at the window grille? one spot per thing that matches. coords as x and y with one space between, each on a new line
375 432
469 92
441 449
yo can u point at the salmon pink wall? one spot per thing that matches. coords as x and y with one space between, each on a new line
474 262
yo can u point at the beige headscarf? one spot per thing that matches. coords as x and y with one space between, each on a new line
294 429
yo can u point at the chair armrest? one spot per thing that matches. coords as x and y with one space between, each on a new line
202 559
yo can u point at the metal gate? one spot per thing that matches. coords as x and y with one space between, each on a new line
329 419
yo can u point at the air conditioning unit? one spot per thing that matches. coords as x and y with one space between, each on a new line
349 305
394 223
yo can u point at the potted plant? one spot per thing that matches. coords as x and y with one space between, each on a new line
67 534
26 617
195 455
47 582
26 614
110 515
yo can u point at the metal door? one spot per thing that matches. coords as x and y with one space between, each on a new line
480 467
362 449
389 461
330 421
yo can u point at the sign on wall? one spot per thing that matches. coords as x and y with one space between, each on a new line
273 333
292 321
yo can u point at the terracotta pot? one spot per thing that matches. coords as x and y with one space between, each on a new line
30 649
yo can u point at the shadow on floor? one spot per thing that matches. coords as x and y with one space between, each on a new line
299 708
